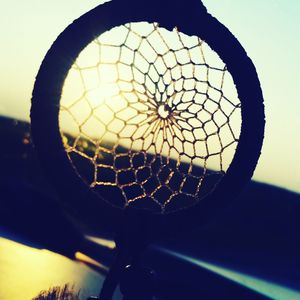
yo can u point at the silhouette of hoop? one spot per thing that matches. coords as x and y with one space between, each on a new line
48 89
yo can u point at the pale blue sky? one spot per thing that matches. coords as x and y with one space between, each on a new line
268 29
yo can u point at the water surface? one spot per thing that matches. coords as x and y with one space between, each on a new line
25 271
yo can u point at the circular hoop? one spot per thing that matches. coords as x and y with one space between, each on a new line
45 109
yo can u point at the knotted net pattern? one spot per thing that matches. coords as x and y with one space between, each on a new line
150 117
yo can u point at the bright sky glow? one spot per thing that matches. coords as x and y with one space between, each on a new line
104 96
269 30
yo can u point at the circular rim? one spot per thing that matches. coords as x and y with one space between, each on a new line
45 109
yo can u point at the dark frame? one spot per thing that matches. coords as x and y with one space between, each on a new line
191 18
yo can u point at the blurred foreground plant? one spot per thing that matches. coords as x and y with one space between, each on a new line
66 292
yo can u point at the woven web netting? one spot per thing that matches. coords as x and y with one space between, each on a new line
150 117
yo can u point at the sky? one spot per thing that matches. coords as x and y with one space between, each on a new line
269 30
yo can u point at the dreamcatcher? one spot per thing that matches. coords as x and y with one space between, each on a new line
149 119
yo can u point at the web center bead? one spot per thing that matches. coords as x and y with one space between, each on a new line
164 111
